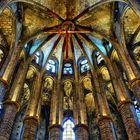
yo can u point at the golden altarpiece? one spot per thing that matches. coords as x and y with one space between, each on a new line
69 70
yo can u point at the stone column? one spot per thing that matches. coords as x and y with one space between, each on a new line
7 71
81 132
11 104
7 122
53 105
130 69
56 113
81 100
55 129
30 128
60 95
106 128
103 112
75 103
81 129
130 120
32 117
76 110
125 105
55 132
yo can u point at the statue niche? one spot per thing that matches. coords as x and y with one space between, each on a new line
87 84
47 90
89 100
68 99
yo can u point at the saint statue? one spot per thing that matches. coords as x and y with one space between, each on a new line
68 100
87 84
48 84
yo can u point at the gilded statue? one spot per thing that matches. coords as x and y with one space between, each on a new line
48 84
68 100
89 101
87 84
68 88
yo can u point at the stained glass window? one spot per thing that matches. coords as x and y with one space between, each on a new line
37 57
137 109
84 66
68 133
99 57
68 69
51 66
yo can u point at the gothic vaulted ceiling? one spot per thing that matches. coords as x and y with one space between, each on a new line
66 26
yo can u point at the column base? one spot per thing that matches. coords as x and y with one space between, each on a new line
7 122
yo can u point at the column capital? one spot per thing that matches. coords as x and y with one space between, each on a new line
9 102
56 126
81 125
122 103
32 118
101 117
133 82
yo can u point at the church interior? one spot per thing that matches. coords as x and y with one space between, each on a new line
69 69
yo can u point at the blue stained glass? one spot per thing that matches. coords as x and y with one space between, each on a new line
137 109
37 57
51 66
67 69
84 66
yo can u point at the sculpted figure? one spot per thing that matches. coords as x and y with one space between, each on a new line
26 95
89 101
30 73
87 83
48 84
68 88
46 99
68 101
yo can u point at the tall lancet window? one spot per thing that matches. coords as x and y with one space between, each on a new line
84 65
51 66
68 133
